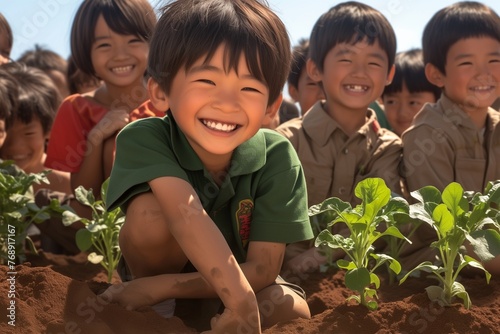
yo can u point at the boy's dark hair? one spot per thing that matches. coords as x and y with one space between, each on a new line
125 17
456 22
299 58
351 22
5 28
37 96
410 70
44 59
8 95
189 30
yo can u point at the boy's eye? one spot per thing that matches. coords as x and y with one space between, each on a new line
465 63
414 103
250 89
136 40
390 102
210 82
375 64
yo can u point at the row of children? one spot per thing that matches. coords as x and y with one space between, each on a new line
212 200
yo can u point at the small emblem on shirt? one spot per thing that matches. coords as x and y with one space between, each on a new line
244 218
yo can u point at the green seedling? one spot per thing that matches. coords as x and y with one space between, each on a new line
100 234
364 222
456 217
18 211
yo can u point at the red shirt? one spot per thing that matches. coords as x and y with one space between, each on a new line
76 116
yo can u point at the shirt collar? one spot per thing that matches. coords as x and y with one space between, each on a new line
319 126
247 158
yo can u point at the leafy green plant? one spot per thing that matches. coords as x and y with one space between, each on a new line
364 222
457 216
100 234
18 211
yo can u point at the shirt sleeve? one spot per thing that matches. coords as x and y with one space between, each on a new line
427 158
143 153
281 211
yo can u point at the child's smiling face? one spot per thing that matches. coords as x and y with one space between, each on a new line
25 144
217 109
353 76
472 77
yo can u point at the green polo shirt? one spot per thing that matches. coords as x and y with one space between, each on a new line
263 197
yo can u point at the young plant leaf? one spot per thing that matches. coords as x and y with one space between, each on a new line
357 279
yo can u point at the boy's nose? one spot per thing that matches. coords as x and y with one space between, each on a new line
226 101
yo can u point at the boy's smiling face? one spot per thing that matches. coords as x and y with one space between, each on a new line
401 107
25 145
215 109
472 77
353 76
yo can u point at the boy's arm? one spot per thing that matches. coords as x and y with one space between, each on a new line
204 245
261 269
427 159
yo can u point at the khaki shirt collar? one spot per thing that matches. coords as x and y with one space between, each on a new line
319 126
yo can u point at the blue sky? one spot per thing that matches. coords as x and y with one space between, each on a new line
48 22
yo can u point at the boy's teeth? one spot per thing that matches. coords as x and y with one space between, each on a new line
357 88
122 69
481 88
219 126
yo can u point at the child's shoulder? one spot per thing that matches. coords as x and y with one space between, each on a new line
81 102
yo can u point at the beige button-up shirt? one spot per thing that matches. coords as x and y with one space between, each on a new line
334 162
443 145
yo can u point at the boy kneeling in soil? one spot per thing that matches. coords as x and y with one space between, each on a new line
211 201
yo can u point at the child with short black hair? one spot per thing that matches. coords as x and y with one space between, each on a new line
409 90
302 89
28 101
30 125
54 65
339 141
456 139
211 199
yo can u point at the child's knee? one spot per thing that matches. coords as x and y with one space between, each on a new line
145 223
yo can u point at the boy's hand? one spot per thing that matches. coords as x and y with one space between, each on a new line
230 322
131 295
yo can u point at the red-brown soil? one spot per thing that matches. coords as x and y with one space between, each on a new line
57 294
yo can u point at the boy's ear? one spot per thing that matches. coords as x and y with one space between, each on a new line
390 76
313 71
157 95
293 92
434 75
272 110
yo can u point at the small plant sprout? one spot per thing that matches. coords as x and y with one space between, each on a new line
364 222
18 211
101 232
457 217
